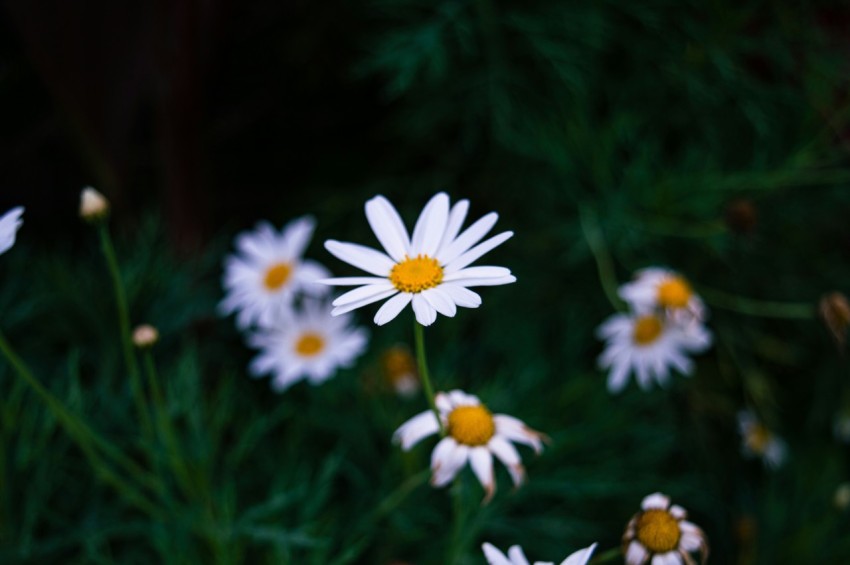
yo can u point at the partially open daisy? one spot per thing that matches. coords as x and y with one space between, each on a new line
515 556
472 434
264 277
662 289
429 270
661 533
758 441
10 222
306 344
649 345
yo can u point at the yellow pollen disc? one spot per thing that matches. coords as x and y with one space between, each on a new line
757 438
277 275
647 329
674 292
309 344
471 425
658 531
416 274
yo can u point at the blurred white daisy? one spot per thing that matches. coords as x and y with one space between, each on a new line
10 222
515 556
306 343
660 533
472 434
648 345
758 441
657 288
263 278
430 270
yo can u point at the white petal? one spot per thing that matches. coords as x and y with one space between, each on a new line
414 430
678 512
580 557
509 456
388 227
456 217
484 282
655 500
362 293
296 236
516 555
352 281
478 273
10 222
482 465
636 554
473 254
447 468
618 377
339 310
392 307
440 302
430 226
669 558
425 313
461 296
515 430
468 238
361 257
494 556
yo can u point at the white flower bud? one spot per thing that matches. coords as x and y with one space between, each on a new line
145 336
93 205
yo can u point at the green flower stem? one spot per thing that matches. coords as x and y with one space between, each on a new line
124 324
606 556
165 429
85 438
604 265
761 308
419 338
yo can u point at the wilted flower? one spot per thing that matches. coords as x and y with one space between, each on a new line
263 278
10 223
306 344
515 556
660 533
399 368
648 345
472 434
145 336
430 270
665 290
758 441
93 205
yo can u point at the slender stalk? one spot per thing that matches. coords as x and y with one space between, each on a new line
762 308
605 556
604 265
419 338
458 522
124 324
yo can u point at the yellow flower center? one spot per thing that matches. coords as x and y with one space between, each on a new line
277 275
416 274
647 329
309 344
658 531
471 425
757 438
674 292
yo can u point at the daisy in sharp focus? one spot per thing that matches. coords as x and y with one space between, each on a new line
263 278
429 270
306 343
665 290
515 556
648 345
473 434
661 534
758 441
10 223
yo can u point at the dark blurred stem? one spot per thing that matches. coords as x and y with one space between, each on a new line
85 438
753 307
456 549
419 338
604 265
609 555
124 324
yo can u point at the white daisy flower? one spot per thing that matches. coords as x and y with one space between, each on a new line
10 222
649 345
515 556
657 288
306 344
472 434
661 533
758 441
263 278
430 270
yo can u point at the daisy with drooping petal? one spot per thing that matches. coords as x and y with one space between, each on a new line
758 441
660 533
429 270
663 289
648 345
263 278
473 434
10 223
306 343
515 556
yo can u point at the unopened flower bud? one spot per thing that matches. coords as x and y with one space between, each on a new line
835 312
145 336
93 205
